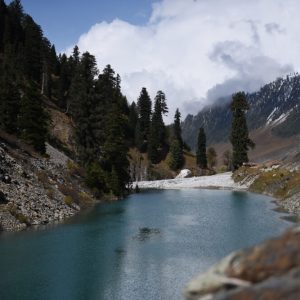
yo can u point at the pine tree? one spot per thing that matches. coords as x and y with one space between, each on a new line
9 102
201 150
16 10
14 34
13 37
157 134
76 56
80 110
2 24
100 113
33 121
133 119
33 46
89 69
47 70
177 127
64 83
95 178
239 131
115 151
176 158
104 122
53 61
144 105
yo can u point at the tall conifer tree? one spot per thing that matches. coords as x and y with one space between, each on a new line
201 149
33 63
2 23
239 131
9 102
133 119
144 106
33 119
177 127
157 134
176 158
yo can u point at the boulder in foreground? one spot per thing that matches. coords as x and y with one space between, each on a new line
268 271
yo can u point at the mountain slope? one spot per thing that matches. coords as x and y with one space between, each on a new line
274 108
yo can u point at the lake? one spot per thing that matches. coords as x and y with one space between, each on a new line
145 247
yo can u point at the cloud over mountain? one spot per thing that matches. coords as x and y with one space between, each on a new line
198 50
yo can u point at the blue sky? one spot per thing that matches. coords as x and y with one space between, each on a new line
196 51
63 21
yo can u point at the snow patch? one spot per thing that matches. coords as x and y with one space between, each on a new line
280 119
269 119
220 181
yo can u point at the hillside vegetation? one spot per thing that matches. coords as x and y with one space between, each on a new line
142 169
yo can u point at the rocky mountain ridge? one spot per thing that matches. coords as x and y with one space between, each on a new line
276 107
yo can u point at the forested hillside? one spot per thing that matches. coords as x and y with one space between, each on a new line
38 87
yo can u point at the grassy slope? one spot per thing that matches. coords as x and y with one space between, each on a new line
280 183
268 146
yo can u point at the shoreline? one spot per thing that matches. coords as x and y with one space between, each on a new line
248 272
223 181
218 181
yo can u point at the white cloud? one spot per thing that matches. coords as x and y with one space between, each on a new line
198 50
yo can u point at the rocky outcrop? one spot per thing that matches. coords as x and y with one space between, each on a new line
36 190
267 272
291 204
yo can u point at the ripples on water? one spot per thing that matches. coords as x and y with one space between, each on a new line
146 247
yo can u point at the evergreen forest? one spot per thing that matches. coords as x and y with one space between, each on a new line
33 76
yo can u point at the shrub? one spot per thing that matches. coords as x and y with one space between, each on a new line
70 191
19 216
68 200
50 193
22 219
95 177
74 169
85 198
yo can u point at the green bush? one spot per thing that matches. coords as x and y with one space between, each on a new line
22 218
95 177
85 198
68 200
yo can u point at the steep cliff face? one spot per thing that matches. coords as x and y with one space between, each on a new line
275 107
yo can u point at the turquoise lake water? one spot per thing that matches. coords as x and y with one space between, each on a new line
145 247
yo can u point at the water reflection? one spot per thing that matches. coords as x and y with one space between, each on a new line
146 233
